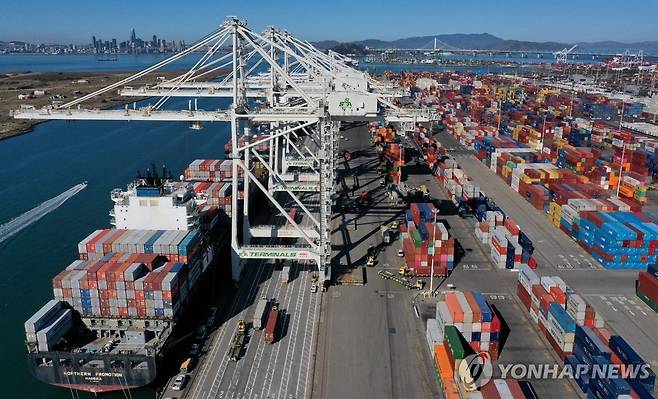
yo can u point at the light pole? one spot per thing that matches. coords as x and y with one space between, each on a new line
436 212
543 129
623 149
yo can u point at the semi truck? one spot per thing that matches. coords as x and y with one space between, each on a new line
419 272
314 283
386 275
269 335
285 273
387 234
260 313
237 342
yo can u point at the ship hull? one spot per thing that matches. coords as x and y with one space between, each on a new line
113 372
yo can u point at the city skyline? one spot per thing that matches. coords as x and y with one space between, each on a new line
98 44
385 20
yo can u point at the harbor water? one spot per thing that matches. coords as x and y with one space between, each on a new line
57 155
43 164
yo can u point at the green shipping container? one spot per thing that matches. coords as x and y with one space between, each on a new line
418 240
653 305
453 338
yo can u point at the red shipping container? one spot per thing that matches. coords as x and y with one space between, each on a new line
515 388
648 285
489 391
91 245
523 295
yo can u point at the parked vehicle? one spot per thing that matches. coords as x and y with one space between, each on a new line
237 342
187 365
201 332
314 283
179 382
387 234
270 328
285 273
194 350
260 313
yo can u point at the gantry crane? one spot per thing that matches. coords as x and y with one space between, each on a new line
561 56
305 95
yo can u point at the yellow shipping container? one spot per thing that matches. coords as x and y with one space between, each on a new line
527 179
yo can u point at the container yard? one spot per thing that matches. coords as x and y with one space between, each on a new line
466 325
395 235
547 147
578 335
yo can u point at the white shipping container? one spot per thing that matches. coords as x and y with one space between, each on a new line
503 390
434 334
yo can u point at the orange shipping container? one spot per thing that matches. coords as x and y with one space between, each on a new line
443 362
450 389
475 308
454 308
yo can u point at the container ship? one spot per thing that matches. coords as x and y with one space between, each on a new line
116 308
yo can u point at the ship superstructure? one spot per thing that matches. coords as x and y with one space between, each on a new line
154 204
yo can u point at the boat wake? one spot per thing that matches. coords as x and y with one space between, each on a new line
21 222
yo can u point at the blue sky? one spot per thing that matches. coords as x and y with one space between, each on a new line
546 20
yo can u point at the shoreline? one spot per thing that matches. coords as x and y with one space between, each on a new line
42 88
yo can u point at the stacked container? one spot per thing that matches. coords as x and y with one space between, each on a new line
546 301
552 160
466 325
177 246
510 248
210 170
508 389
577 334
112 287
48 325
218 194
473 319
594 350
424 243
619 240
646 287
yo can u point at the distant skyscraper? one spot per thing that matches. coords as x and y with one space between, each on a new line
93 41
154 42
133 36
114 43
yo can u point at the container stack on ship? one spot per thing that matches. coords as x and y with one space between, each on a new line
115 309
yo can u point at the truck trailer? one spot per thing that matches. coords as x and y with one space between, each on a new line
269 335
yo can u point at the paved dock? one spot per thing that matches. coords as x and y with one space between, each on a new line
610 292
370 340
474 271
371 343
279 370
